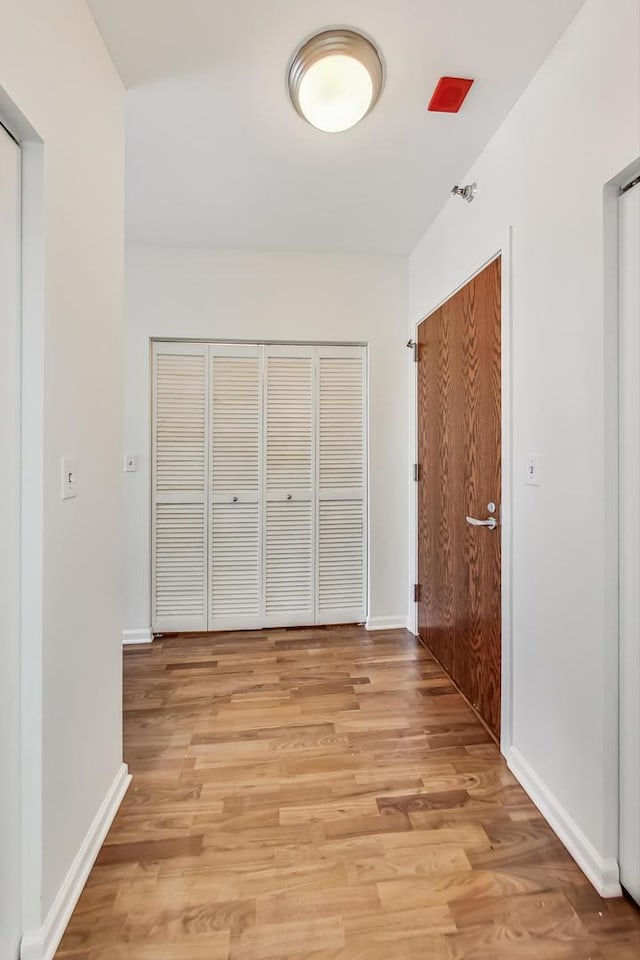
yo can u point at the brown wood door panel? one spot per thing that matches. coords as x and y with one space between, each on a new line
459 443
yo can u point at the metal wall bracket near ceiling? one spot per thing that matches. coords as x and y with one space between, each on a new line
467 192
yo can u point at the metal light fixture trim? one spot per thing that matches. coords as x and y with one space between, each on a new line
336 42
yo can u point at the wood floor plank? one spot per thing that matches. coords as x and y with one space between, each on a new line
149 850
325 794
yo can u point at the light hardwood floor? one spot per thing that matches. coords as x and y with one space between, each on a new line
325 793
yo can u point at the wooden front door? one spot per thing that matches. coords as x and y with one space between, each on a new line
459 443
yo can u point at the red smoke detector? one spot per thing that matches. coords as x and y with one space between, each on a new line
449 94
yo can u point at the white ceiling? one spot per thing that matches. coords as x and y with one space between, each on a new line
216 155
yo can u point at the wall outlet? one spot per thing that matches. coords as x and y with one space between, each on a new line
130 463
69 477
532 473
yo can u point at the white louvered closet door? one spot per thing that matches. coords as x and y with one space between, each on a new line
341 577
179 471
235 467
289 527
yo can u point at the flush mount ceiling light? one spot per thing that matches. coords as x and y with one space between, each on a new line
335 79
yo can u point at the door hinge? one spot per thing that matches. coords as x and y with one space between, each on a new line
416 472
417 593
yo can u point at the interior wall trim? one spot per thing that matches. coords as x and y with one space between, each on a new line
398 622
263 343
602 872
42 944
143 635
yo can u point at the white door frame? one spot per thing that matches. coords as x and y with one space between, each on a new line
500 248
10 387
616 667
31 383
611 661
629 522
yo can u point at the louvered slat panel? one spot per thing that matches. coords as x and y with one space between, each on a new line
341 422
179 579
288 549
236 423
180 410
289 422
340 556
180 575
341 570
235 563
235 571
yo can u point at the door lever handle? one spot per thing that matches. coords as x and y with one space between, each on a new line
492 523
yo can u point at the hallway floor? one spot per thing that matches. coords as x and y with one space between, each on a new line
325 793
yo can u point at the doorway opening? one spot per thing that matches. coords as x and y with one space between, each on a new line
459 475
470 339
259 485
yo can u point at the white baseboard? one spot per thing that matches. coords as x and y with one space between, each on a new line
386 623
603 873
137 636
42 944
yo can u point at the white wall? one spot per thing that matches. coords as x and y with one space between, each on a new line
277 296
56 79
575 128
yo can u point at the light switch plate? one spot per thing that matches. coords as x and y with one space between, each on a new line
532 471
130 463
69 477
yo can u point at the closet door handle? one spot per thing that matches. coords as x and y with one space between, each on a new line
235 499
289 496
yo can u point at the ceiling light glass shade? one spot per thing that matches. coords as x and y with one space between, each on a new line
335 79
